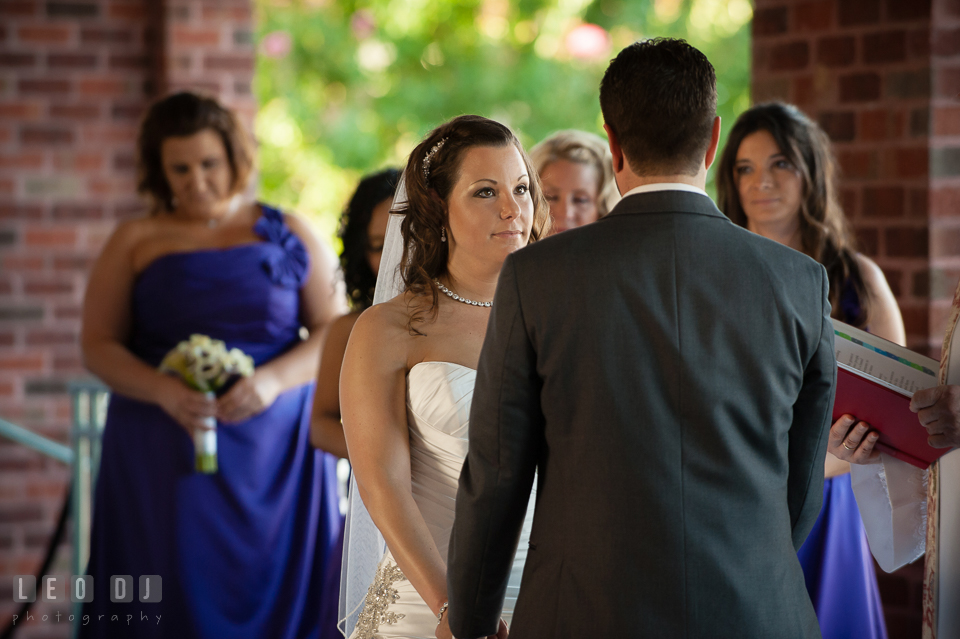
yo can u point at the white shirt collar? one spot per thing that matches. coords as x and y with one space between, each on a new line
665 186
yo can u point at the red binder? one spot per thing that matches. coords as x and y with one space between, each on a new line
887 411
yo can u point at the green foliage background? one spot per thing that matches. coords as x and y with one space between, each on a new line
363 82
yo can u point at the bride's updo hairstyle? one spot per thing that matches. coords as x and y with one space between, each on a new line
424 253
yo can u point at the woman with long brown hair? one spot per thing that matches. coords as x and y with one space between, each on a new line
471 199
777 178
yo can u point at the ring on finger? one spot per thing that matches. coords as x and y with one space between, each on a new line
847 447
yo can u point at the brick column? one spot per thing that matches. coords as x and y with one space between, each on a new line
211 49
75 78
863 69
944 160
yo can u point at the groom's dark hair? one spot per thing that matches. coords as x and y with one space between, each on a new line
659 97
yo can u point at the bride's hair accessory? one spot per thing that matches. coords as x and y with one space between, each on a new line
443 234
459 298
429 157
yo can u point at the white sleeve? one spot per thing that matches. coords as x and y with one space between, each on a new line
892 498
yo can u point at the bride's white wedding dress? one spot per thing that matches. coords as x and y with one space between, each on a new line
438 413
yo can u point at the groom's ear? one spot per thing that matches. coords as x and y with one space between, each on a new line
615 150
714 143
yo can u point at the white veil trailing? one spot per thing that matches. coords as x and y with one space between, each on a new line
363 545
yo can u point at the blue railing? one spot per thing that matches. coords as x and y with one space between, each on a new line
39 443
89 402
89 399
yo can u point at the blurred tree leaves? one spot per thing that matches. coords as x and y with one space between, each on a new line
347 87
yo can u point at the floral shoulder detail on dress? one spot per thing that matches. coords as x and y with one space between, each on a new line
289 267
379 597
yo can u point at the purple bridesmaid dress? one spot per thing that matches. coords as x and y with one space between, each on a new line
243 552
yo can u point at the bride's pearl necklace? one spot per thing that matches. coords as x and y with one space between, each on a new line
459 298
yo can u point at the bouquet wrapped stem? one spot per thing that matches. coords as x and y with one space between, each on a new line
206 365
205 444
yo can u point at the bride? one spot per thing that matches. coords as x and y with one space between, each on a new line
409 369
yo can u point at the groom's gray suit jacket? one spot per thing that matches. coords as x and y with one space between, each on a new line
671 376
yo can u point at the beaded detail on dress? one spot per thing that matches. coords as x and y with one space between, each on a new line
379 597
289 267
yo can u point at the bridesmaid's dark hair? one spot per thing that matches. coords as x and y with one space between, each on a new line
361 281
824 230
184 114
424 254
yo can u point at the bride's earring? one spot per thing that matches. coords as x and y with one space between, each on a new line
443 234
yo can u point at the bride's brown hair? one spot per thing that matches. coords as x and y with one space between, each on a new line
424 253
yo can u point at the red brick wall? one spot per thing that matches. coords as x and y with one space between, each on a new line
74 80
209 48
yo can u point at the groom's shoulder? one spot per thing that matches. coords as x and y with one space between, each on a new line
576 239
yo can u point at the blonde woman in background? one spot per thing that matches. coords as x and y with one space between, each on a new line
577 175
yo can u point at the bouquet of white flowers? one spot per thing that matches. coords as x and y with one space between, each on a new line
206 365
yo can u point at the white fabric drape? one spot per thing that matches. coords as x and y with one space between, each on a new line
892 498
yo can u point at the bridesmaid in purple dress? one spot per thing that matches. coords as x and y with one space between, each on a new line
242 552
776 177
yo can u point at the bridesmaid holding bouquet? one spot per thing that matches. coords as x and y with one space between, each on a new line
241 552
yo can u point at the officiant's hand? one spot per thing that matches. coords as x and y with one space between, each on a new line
248 397
852 441
939 412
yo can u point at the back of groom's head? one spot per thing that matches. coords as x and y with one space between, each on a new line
659 97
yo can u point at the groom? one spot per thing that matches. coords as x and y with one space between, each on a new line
670 376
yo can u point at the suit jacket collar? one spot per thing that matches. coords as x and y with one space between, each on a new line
666 202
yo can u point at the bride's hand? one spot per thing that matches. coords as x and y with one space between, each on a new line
248 397
186 406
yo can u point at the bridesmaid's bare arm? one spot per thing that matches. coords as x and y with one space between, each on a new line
885 318
326 429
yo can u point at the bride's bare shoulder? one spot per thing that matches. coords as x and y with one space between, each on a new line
386 325
395 314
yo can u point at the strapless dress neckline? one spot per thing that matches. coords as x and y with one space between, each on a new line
208 250
441 363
